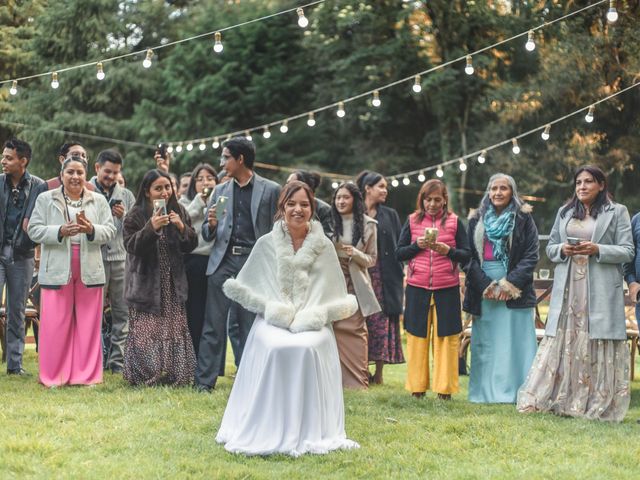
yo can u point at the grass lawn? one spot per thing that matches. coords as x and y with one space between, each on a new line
114 431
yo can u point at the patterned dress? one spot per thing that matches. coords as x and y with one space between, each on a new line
573 375
385 343
159 350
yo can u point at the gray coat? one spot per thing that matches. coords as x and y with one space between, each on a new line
612 234
264 202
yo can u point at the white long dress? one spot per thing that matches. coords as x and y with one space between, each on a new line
287 395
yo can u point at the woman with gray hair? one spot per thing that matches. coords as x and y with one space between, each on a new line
499 292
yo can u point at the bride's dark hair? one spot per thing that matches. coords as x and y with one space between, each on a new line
288 191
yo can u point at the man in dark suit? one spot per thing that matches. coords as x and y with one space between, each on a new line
250 203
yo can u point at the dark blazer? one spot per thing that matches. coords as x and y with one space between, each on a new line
391 269
632 269
323 214
264 202
523 249
142 266
23 247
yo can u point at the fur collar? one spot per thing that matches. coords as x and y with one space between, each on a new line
293 267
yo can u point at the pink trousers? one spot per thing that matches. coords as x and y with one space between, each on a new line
70 350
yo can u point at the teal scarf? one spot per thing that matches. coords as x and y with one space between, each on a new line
498 229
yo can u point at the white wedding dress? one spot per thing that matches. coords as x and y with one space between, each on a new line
287 395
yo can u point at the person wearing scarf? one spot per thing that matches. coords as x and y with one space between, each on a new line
499 292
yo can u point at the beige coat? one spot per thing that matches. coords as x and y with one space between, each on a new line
365 256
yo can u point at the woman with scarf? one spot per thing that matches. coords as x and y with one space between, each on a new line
499 292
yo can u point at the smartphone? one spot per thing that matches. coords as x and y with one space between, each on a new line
573 240
160 206
114 201
220 205
206 191
162 150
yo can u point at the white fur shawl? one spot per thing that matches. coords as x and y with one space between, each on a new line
300 291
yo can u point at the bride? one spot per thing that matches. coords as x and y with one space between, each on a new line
287 396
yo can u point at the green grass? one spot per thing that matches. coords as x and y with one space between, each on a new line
114 431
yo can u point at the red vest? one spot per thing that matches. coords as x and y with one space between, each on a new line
429 269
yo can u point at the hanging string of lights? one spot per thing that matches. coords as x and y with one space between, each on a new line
374 94
218 47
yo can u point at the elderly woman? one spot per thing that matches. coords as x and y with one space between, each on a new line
157 235
203 181
385 343
287 396
355 240
582 365
503 239
71 223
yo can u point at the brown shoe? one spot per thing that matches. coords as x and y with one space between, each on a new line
418 394
444 396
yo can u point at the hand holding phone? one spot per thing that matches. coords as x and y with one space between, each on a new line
573 241
220 206
159 207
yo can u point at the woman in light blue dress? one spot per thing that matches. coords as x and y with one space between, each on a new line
499 293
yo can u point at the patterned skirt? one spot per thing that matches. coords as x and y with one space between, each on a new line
159 350
385 343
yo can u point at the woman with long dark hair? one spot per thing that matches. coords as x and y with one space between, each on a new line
355 240
203 180
157 235
385 343
582 366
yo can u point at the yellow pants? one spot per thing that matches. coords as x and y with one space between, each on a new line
445 359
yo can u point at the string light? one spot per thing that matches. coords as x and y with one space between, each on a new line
589 116
14 88
202 146
515 148
284 128
545 133
439 172
146 63
216 143
303 22
531 44
395 182
266 133
468 69
612 13
334 185
54 80
462 166
170 149
189 146
247 135
406 181
482 157
340 112
100 75
179 148
417 84
311 121
376 102
217 42
421 177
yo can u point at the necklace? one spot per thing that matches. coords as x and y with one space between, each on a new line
73 203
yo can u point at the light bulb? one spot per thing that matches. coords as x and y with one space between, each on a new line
612 13
217 42
417 84
303 22
439 172
515 148
146 63
482 157
421 177
215 144
284 128
468 69
589 116
189 146
545 133
202 146
266 133
334 185
247 135
395 182
376 102
54 80
14 88
170 149
340 112
462 166
531 44
100 75
406 181
179 148
311 121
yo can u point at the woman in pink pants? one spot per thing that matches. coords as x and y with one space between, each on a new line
71 223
